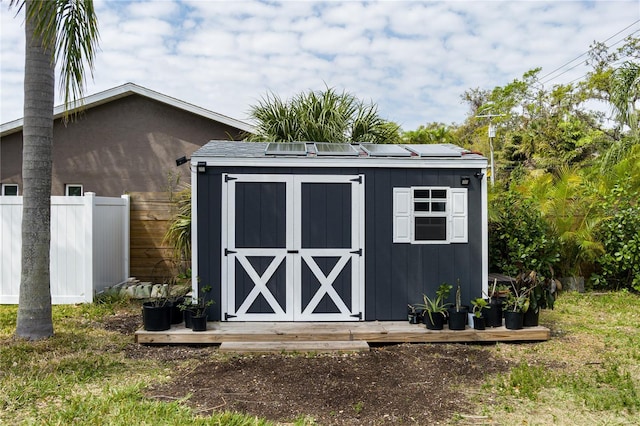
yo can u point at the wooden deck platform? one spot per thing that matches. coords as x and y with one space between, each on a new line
287 333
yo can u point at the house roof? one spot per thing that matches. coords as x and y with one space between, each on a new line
230 153
129 89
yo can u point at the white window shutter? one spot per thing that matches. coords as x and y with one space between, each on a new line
459 216
401 215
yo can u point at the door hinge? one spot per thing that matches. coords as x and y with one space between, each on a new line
227 252
227 178
358 252
358 315
293 251
358 179
227 316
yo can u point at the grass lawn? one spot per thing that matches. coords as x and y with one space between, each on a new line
588 373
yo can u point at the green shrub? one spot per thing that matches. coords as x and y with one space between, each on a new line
519 238
619 266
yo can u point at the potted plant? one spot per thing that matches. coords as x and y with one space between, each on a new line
414 315
435 309
195 311
156 311
178 288
458 313
541 295
480 305
493 312
515 305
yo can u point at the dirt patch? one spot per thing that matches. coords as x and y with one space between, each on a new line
403 384
124 322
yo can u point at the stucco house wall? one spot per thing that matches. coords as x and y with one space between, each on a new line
128 144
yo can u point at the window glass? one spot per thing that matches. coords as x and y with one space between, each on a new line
430 214
430 229
73 190
439 207
422 193
422 207
9 189
439 193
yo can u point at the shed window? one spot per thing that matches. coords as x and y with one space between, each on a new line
73 190
9 189
430 215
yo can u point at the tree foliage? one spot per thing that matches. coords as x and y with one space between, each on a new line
519 238
567 175
321 116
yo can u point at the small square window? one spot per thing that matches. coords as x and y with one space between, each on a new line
9 189
430 215
73 190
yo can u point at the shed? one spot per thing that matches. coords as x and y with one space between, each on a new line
335 232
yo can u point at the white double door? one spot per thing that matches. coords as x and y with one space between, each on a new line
293 247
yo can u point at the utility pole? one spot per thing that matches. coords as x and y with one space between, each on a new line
492 134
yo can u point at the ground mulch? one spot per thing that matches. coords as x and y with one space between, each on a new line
401 384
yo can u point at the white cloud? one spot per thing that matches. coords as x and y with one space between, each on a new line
413 58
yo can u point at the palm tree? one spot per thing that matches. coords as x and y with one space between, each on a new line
323 116
57 30
625 92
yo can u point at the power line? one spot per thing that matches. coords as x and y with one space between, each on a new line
582 63
584 54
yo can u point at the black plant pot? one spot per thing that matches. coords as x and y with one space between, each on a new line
199 323
513 320
478 323
176 313
414 316
437 323
531 317
458 319
156 318
186 314
493 315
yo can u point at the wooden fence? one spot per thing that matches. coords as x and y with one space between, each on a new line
151 259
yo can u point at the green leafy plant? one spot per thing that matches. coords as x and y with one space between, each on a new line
479 304
436 305
519 238
178 234
542 291
518 299
619 266
198 305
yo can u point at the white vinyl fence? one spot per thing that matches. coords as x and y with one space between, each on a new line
89 246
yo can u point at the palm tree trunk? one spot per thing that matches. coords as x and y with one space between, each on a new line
34 311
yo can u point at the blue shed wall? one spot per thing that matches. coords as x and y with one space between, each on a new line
395 274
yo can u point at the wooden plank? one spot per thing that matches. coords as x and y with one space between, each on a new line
154 226
151 253
150 215
155 262
294 346
373 332
148 241
152 206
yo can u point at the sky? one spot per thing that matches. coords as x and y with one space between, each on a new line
414 59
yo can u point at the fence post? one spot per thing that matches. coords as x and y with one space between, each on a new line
126 233
89 206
